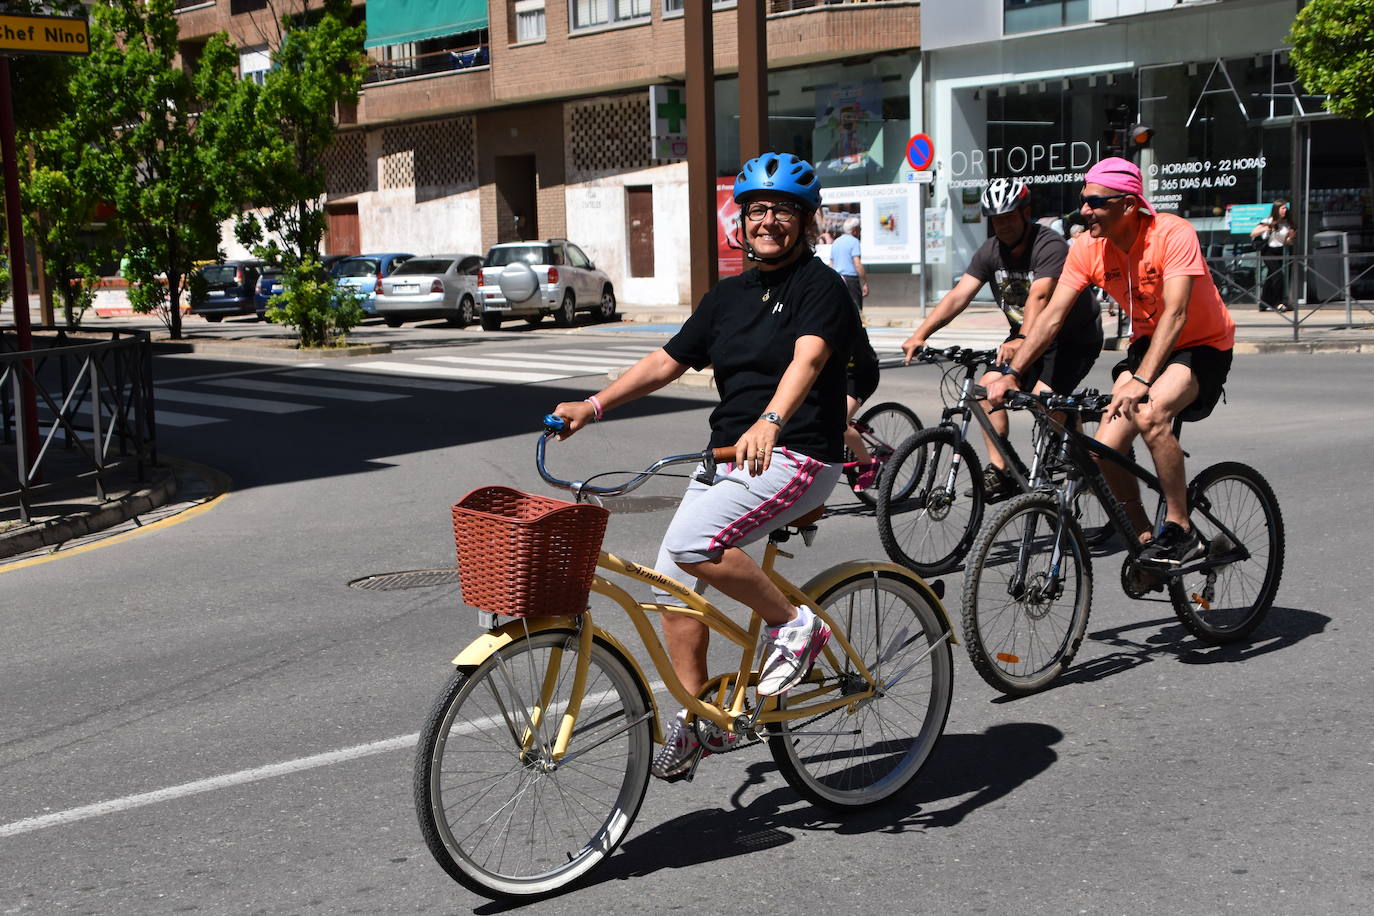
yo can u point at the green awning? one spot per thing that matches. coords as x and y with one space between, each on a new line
393 22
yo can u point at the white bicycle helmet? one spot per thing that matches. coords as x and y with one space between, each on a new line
1004 195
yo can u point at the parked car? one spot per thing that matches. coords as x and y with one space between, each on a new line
431 286
269 284
230 288
567 282
363 273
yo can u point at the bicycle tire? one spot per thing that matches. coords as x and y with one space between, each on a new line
474 783
892 735
1021 637
892 424
1092 517
930 531
1226 603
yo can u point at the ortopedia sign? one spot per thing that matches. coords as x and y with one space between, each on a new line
44 35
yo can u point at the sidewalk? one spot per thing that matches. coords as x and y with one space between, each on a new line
62 518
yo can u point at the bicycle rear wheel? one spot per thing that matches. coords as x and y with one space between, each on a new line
497 813
1024 614
845 759
884 428
931 528
1238 515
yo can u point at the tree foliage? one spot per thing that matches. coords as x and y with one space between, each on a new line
317 64
171 166
1333 53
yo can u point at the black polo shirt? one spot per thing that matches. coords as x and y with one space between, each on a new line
746 329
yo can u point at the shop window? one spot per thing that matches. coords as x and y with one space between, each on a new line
1034 15
588 14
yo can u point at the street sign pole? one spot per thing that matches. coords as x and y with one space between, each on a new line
19 284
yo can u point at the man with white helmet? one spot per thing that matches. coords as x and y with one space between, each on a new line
1022 261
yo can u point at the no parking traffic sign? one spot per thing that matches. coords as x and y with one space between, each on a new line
920 152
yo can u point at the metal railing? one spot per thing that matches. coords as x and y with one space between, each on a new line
458 57
94 412
1309 284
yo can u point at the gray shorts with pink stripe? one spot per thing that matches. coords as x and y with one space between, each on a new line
738 510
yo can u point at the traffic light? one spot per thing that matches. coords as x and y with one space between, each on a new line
1115 138
1139 136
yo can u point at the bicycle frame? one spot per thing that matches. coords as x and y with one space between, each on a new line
731 689
967 406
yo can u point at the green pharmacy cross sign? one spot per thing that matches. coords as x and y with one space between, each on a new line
668 122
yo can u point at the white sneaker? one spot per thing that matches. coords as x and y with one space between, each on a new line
680 748
792 652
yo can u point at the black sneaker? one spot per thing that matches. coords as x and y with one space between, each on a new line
997 485
1173 547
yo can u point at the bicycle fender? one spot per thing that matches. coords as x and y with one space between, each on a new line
828 578
481 648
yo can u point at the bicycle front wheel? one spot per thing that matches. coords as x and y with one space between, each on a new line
884 428
856 757
930 528
1025 604
1235 510
498 813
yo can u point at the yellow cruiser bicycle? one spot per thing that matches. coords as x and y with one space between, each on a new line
535 758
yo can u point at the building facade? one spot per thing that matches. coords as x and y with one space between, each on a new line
1039 88
484 121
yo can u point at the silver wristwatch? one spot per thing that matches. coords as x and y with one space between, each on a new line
771 417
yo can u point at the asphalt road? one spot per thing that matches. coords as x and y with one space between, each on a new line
207 718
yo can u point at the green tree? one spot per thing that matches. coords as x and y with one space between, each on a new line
1333 53
317 64
174 168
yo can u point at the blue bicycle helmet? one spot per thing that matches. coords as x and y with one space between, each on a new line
780 173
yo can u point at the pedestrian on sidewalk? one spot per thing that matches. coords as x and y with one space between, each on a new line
1022 261
1272 236
846 257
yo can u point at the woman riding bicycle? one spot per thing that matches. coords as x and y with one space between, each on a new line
770 335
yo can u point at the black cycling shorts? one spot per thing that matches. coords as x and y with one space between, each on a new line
1209 366
1063 366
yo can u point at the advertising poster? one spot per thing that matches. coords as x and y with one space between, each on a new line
729 256
849 126
887 217
935 236
970 200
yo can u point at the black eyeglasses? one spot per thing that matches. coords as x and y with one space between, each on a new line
1099 201
783 213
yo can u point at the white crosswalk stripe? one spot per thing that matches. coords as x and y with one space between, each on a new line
254 405
567 366
273 386
457 372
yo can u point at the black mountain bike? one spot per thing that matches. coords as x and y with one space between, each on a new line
1028 590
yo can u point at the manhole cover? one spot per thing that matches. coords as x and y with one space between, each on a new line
414 578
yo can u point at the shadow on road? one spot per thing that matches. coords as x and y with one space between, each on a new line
966 773
1282 627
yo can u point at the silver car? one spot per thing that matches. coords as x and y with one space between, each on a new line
431 286
564 281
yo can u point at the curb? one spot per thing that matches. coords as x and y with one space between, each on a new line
108 514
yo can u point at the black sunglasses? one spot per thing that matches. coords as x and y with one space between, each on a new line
1099 201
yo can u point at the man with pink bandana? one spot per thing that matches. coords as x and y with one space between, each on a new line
1181 340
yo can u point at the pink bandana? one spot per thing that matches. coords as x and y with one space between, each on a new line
1119 175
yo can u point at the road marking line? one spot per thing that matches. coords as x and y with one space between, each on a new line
477 375
576 368
601 353
255 774
348 376
561 356
206 399
115 805
310 391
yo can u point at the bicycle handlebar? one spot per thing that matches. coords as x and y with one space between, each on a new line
964 356
554 424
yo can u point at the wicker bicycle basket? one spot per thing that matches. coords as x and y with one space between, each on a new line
526 556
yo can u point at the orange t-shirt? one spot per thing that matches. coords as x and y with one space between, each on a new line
1166 247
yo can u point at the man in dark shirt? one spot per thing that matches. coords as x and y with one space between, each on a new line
1022 261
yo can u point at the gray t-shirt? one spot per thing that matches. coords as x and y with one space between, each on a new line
1011 280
